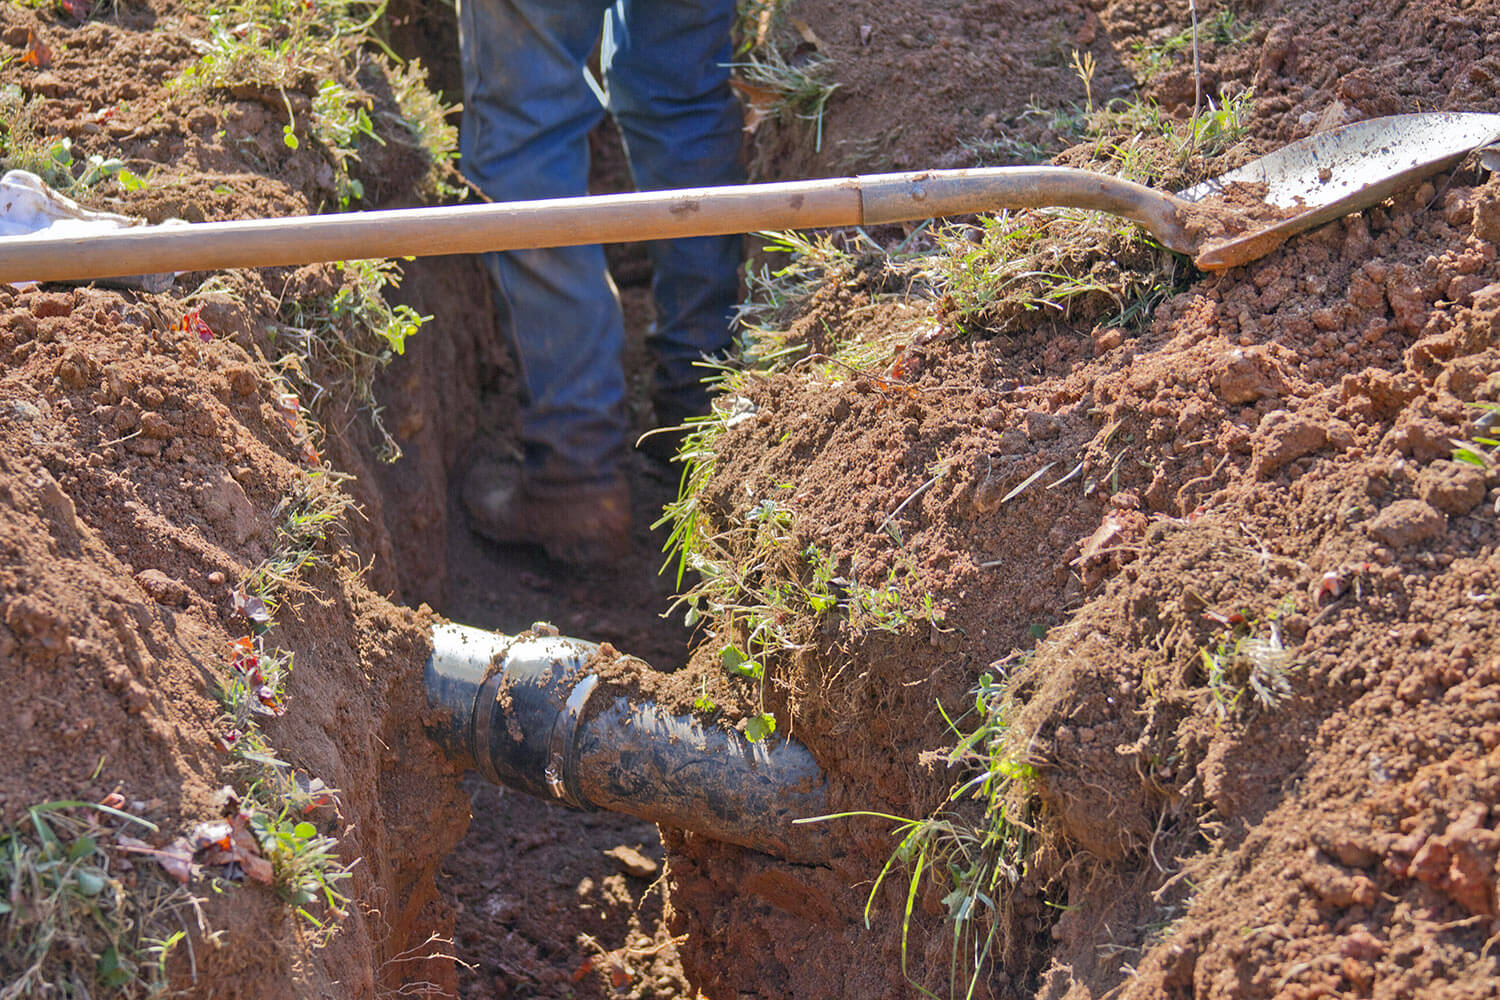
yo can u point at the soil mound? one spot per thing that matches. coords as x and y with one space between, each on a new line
215 718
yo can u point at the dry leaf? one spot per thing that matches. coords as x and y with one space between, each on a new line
257 868
759 102
37 52
619 975
177 859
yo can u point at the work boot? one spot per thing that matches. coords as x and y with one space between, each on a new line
583 524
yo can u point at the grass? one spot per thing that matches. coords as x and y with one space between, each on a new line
346 337
77 918
313 50
307 867
1246 663
1152 58
758 592
26 145
291 46
815 264
278 44
304 518
252 687
1006 271
972 848
774 296
1481 451
1148 145
427 120
786 91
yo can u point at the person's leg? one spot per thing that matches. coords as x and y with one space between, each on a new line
667 80
528 109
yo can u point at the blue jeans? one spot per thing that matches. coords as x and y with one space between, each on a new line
529 105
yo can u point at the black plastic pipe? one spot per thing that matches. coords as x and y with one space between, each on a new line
525 712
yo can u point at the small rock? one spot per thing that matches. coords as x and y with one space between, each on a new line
74 369
1108 339
243 380
162 588
1285 437
154 425
1361 944
1247 375
55 304
57 505
224 503
632 861
1407 522
1453 487
1042 426
33 620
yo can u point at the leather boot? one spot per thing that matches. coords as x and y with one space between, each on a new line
583 524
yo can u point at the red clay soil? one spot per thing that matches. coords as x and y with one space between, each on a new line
141 469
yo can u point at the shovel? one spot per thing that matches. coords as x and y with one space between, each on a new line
1286 192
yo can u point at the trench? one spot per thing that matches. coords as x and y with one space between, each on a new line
541 893
548 901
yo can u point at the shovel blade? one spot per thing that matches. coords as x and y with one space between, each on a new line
1332 174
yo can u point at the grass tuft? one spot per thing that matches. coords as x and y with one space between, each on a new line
972 848
78 918
996 276
787 91
346 336
1245 662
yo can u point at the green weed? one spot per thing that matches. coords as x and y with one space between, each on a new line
25 145
1076 265
1148 145
305 51
1151 58
278 44
346 337
307 868
755 588
1481 451
427 120
340 121
304 518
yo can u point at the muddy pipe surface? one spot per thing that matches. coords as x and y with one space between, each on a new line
524 711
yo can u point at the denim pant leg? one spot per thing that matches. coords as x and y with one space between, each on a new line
667 78
528 110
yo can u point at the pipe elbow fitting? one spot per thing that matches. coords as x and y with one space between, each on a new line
518 710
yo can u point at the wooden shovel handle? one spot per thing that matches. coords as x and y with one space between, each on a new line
619 218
